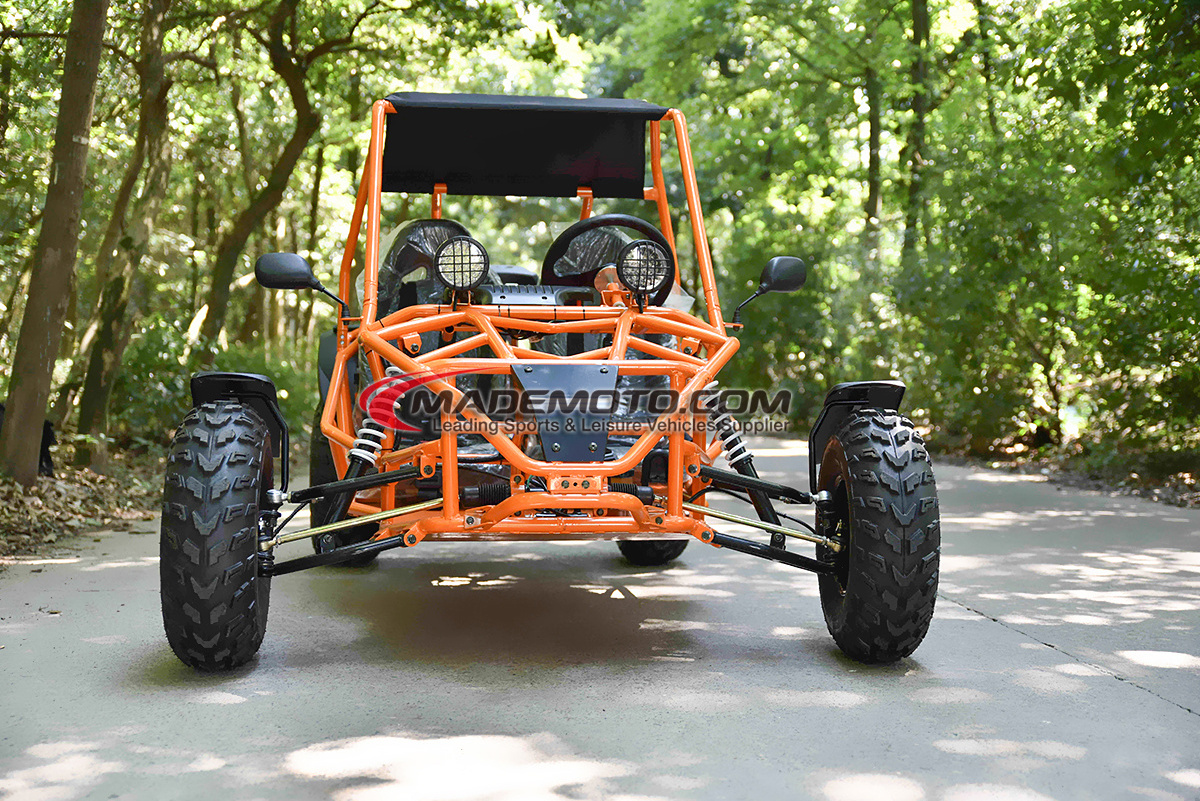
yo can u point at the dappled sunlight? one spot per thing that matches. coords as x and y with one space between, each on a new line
673 625
144 561
1053 521
830 699
1079 669
1045 749
981 477
984 521
991 792
474 580
216 697
1090 589
663 591
792 632
952 563
873 787
1047 682
1161 659
34 561
68 770
1188 778
950 695
464 768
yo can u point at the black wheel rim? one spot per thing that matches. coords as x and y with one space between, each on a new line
838 527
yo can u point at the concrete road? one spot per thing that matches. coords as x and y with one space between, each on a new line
1063 662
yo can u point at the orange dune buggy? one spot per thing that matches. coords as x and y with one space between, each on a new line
469 401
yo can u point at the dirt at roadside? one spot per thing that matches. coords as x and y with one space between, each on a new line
77 501
1180 489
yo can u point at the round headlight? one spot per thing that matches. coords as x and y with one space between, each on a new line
461 263
644 266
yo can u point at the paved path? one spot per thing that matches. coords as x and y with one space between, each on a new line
1063 662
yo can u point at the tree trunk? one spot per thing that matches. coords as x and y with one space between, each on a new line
915 146
308 122
5 94
252 322
57 246
112 333
874 205
989 74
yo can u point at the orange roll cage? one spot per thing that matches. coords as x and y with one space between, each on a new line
702 349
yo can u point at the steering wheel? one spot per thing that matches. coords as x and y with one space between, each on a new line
558 249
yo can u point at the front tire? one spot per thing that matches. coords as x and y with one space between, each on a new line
651 553
214 602
879 602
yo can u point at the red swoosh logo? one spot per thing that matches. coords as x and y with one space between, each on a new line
378 400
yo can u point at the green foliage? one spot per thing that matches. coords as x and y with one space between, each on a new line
1050 292
153 392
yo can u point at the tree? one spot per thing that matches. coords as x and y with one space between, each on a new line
291 63
152 148
54 260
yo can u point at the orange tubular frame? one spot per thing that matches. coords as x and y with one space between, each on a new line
576 486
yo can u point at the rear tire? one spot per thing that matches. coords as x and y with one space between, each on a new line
320 471
879 602
214 602
651 553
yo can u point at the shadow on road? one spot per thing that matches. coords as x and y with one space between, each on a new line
465 612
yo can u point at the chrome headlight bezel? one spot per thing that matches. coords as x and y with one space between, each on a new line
461 263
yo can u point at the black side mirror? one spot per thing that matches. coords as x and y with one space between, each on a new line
291 271
782 274
285 271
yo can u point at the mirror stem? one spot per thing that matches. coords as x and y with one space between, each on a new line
737 313
345 306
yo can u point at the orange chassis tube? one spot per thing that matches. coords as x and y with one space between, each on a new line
576 486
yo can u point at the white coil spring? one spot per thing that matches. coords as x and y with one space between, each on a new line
726 425
371 435
369 442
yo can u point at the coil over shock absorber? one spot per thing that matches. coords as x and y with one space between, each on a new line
726 427
738 455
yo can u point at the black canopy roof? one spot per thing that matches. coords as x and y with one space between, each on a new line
516 145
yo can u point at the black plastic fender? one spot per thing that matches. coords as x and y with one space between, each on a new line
257 392
842 401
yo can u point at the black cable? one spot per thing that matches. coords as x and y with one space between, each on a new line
295 512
